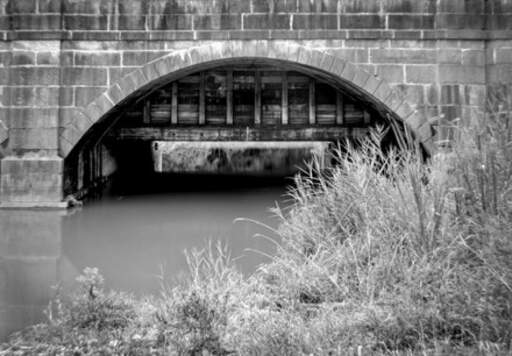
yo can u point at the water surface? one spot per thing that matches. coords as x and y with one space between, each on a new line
133 235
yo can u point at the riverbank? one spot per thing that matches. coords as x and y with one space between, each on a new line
384 254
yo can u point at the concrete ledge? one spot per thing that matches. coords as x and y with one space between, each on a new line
248 158
35 205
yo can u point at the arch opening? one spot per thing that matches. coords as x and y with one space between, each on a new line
234 99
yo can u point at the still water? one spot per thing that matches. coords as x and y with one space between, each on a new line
132 236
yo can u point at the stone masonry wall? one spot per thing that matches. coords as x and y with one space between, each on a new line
56 56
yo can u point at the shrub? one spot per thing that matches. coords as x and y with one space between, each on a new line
383 253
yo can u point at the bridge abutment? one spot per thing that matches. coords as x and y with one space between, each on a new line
32 182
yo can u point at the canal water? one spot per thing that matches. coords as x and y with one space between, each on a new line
134 234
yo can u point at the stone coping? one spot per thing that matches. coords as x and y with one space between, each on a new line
188 35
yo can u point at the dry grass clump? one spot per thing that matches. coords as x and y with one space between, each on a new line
384 253
414 254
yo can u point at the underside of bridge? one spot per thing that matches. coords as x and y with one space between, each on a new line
252 117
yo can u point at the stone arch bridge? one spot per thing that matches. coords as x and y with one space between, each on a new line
78 74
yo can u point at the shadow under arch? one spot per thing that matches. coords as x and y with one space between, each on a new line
94 120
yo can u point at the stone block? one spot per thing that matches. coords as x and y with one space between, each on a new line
31 22
316 6
91 7
48 58
69 116
104 103
403 22
460 21
49 6
416 120
86 95
4 132
20 96
409 6
218 22
266 21
343 69
314 21
238 7
21 6
499 22
65 146
136 79
382 92
449 73
84 76
130 23
21 118
354 55
362 21
134 7
462 6
404 110
212 35
392 73
30 139
37 179
403 56
86 23
393 100
503 55
412 93
473 57
5 58
141 57
358 6
449 56
372 84
420 74
360 78
97 59
19 58
164 22
66 96
35 76
49 97
500 73
68 137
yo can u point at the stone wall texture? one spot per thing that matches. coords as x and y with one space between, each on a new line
59 56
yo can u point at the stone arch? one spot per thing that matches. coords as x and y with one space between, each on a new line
178 63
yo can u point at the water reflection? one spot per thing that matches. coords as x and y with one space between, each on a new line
130 237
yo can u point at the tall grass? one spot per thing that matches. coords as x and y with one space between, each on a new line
383 253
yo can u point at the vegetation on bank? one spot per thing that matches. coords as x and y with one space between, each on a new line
384 254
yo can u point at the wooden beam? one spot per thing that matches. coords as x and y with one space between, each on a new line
284 98
146 115
208 133
339 108
257 98
202 99
174 104
312 102
229 98
367 118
